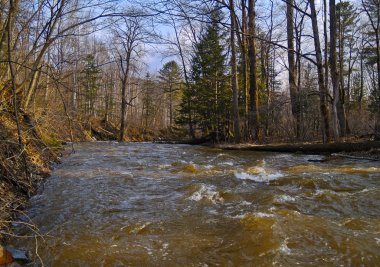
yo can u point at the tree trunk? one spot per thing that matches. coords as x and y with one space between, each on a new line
123 111
361 93
254 117
170 108
187 81
298 38
9 23
34 72
372 10
335 76
292 67
334 70
235 88
326 40
321 79
124 97
245 65
377 123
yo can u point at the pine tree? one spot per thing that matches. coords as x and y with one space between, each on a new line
170 77
210 99
90 83
348 18
372 10
148 105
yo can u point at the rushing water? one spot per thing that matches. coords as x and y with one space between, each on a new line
144 204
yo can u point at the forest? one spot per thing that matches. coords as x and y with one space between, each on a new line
154 77
226 71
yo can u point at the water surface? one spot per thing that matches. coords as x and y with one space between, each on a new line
144 204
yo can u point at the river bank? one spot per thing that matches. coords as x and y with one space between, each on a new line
149 204
22 175
25 166
24 163
360 149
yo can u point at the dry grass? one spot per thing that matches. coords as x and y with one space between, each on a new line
22 167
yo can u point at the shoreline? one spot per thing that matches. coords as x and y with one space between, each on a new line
14 200
347 148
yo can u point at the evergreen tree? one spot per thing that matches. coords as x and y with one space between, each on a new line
209 98
348 19
90 83
148 105
170 77
372 10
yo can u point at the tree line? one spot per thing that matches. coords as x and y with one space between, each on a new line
246 70
327 53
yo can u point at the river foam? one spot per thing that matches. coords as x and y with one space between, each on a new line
207 192
260 177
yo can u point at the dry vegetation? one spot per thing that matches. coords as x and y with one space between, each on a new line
68 84
22 167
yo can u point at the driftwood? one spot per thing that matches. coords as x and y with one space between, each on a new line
197 141
102 134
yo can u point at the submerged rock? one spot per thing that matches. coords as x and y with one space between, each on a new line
190 168
5 256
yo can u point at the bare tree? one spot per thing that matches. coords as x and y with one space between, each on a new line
234 75
338 105
128 35
292 67
58 24
253 91
321 79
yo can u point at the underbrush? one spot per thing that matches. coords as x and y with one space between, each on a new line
23 166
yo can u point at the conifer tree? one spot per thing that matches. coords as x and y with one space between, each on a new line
210 99
170 76
372 10
90 82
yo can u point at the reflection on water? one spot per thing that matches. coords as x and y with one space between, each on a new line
146 204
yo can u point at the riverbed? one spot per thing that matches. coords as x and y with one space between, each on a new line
146 204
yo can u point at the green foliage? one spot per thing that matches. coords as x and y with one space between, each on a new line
90 83
347 17
208 101
51 141
170 76
185 110
374 101
371 8
149 108
347 21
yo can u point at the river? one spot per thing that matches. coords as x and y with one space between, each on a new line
144 204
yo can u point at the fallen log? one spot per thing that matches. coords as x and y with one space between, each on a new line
307 148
